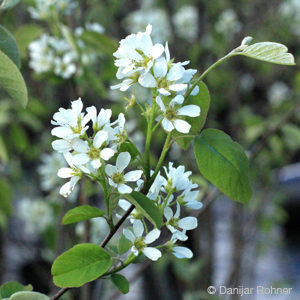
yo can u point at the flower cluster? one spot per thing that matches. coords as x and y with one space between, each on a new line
169 194
149 65
87 155
55 55
45 9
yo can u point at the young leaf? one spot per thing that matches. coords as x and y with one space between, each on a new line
25 35
81 264
8 45
146 207
11 80
82 213
202 99
120 282
270 52
124 244
9 288
29 296
224 163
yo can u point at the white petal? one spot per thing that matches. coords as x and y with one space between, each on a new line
195 91
110 170
133 175
168 213
100 138
107 153
65 173
80 159
80 146
189 110
167 125
179 87
147 80
123 161
68 157
129 235
124 204
138 228
62 132
157 50
167 51
160 104
160 68
188 223
152 253
96 163
193 204
152 236
68 187
61 146
164 92
124 188
177 214
182 252
175 73
182 126
179 235
177 100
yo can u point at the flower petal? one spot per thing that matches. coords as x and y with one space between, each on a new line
160 103
157 51
147 80
110 170
123 161
107 153
152 253
152 236
133 175
138 228
124 204
80 146
167 125
124 188
100 137
182 126
80 159
61 146
160 68
189 110
182 252
129 235
65 173
188 223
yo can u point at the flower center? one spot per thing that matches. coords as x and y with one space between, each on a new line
117 178
94 153
162 82
170 114
173 222
139 244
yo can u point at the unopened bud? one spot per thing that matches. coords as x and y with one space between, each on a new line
246 41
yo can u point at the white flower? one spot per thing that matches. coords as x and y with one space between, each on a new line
64 66
156 186
95 27
228 23
186 22
135 54
278 93
92 153
125 205
179 226
71 122
189 199
74 172
171 114
140 243
168 77
100 121
117 178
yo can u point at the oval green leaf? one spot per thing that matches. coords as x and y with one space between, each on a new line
82 213
224 163
29 296
274 53
11 80
202 99
124 244
8 45
120 282
81 264
9 288
146 207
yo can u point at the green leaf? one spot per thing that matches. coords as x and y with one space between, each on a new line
8 45
270 52
11 80
9 288
81 213
99 42
146 207
5 197
81 264
25 35
131 148
124 244
202 99
3 151
29 296
224 163
120 282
